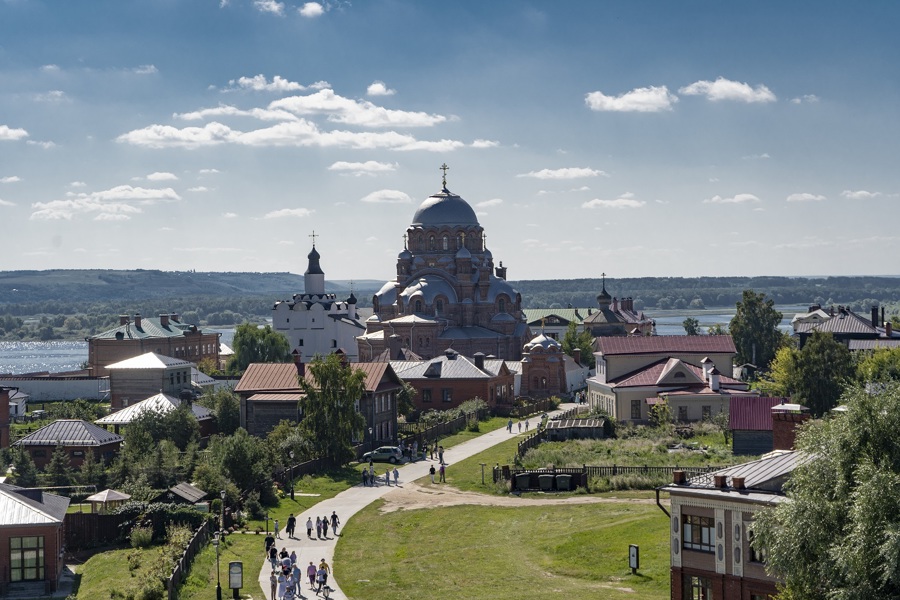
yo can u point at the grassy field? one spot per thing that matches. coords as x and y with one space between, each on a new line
200 583
483 552
109 573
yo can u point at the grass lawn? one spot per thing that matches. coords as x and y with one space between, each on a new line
109 571
201 581
484 552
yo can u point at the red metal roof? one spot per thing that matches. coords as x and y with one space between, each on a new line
752 413
666 344
282 377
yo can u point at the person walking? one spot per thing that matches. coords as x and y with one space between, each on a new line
325 527
415 450
441 454
319 528
443 472
282 581
527 424
297 577
396 476
431 472
291 525
293 558
273 579
311 571
334 522
520 426
365 477
273 556
431 451
322 575
387 477
509 426
277 533
309 526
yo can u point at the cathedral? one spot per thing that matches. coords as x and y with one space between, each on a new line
447 293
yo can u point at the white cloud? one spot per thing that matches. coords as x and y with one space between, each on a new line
44 145
77 184
10 179
6 202
258 83
860 194
626 200
428 146
805 99
370 167
491 202
146 70
8 133
725 89
288 212
311 10
387 197
353 112
736 199
805 197
109 216
485 144
225 110
371 239
123 200
763 156
199 188
162 176
377 88
565 173
50 68
230 215
208 171
269 6
52 97
646 99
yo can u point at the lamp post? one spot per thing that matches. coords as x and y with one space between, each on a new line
292 474
218 580
222 520
267 522
371 440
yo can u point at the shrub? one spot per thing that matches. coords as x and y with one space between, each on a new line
141 537
254 507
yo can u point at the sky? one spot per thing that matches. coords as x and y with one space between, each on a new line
628 138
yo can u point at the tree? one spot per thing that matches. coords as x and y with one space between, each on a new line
691 326
836 535
330 419
59 468
253 344
405 399
581 340
92 471
26 472
717 329
227 408
754 329
243 459
881 365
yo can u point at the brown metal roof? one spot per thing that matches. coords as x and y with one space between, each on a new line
376 372
270 377
666 344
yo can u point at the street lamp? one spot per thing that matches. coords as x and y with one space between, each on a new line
222 520
218 580
371 440
292 474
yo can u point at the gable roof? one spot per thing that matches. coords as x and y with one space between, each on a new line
151 327
150 360
270 377
442 367
666 344
654 373
21 506
379 375
751 414
69 432
844 321
533 316
160 403
186 492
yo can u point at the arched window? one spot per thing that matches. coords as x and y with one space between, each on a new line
439 306
679 376
446 241
418 306
431 243
501 305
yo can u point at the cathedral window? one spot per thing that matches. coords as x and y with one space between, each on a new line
501 305
431 243
439 306
418 306
446 243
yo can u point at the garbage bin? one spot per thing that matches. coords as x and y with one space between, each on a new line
523 481
563 483
546 482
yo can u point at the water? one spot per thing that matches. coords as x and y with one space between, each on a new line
669 322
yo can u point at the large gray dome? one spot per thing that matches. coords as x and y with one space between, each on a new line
445 208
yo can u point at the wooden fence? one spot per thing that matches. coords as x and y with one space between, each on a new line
183 565
87 530
540 433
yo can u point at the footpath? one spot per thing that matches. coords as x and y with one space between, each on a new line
349 502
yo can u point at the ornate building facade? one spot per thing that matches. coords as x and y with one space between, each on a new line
447 292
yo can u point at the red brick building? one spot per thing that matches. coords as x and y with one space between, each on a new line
31 541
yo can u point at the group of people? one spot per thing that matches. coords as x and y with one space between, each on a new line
370 477
509 425
287 574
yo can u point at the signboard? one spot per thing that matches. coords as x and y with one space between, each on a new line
235 575
634 557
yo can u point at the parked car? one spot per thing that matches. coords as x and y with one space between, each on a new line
391 454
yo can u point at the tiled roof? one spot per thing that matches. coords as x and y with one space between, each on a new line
160 403
150 328
69 432
19 506
270 377
150 360
666 344
751 414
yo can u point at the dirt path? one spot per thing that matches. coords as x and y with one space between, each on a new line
412 496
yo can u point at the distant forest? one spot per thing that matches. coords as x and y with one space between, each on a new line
73 304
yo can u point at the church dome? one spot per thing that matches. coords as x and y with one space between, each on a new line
405 255
463 253
542 341
445 208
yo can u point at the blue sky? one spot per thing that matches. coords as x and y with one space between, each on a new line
632 138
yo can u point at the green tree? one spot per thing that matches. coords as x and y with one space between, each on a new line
754 329
227 407
59 468
691 326
881 365
581 340
330 419
92 471
836 535
405 399
26 472
717 329
254 344
783 375
243 459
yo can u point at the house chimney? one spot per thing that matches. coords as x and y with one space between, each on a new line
450 353
882 314
720 481
678 477
714 379
500 271
737 483
137 320
394 345
875 315
708 366
479 360
174 317
4 417
123 319
888 329
577 355
298 362
163 320
786 418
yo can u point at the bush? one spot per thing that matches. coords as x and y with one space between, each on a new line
632 481
253 506
141 537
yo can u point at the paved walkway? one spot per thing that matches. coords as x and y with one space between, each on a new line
351 501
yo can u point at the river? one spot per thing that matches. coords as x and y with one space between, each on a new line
67 355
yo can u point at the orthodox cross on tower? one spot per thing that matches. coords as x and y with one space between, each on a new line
314 236
444 168
404 241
